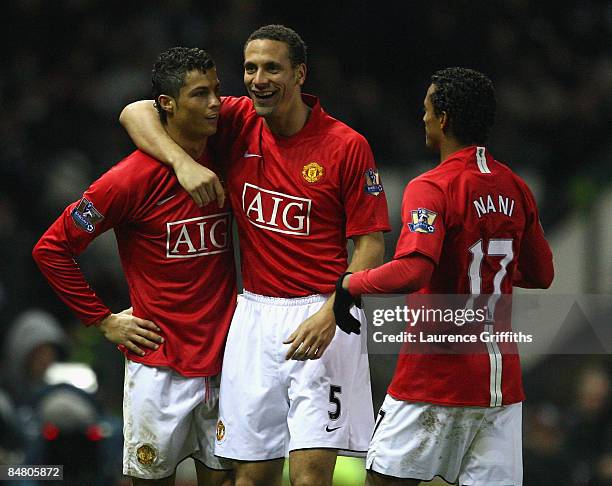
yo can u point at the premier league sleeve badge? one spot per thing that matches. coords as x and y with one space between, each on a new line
372 182
422 221
85 215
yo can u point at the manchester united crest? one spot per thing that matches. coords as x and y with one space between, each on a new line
312 172
146 454
220 430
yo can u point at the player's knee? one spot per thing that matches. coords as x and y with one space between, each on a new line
312 477
217 478
168 481
266 473
254 481
309 480
242 481
377 479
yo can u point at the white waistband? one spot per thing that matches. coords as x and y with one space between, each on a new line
264 299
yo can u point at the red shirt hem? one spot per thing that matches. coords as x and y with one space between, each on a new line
191 374
450 403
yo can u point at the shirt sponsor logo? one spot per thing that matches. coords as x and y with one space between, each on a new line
312 172
422 221
275 211
206 235
85 215
372 182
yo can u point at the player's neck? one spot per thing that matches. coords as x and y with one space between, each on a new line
194 147
449 146
290 122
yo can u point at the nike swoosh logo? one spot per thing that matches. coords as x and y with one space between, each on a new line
159 203
327 429
247 155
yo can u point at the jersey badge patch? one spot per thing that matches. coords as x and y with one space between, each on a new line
85 215
146 454
372 182
312 172
422 221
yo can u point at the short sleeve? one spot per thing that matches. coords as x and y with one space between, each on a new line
363 194
423 228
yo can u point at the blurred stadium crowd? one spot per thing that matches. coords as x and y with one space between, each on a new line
71 66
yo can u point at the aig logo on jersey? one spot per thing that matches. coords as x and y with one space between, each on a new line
85 215
206 235
422 221
372 182
275 211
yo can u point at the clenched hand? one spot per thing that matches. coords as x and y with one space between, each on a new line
201 183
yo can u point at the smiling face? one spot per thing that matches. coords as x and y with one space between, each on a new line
272 82
195 112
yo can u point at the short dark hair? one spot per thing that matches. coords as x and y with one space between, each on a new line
295 44
468 98
170 69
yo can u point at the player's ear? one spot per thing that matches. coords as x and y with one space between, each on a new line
443 120
300 74
167 104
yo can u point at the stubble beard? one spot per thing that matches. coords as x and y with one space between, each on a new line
264 110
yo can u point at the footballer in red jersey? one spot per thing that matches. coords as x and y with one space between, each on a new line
301 183
298 198
178 262
470 226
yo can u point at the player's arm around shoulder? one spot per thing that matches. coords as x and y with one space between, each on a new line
141 120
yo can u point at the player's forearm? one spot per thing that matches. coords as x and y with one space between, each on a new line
369 252
404 275
58 266
141 121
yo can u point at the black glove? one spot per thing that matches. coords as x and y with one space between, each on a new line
342 307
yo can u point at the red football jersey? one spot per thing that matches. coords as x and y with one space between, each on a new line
474 218
297 199
177 259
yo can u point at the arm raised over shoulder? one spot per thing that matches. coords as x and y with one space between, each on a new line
144 127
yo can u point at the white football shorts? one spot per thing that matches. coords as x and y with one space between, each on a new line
270 406
470 446
167 417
